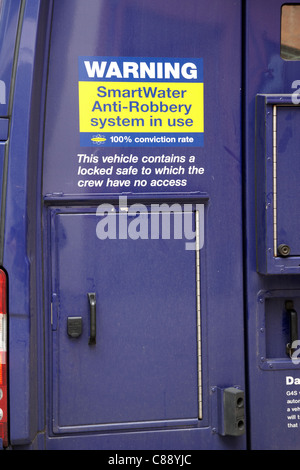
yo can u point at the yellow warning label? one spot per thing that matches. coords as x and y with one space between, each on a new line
168 107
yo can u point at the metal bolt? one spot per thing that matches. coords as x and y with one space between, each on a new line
284 250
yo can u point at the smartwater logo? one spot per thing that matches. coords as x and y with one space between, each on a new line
153 222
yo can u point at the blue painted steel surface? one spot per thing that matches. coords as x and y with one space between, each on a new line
9 18
20 242
61 387
273 195
272 399
209 31
143 367
288 170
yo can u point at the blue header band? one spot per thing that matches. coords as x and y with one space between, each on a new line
140 69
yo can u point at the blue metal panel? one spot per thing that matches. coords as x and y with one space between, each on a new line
148 300
271 370
205 30
276 169
3 128
129 375
288 124
187 439
47 173
9 18
21 218
16 260
203 34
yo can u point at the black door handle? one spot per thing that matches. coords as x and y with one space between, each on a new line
92 303
289 305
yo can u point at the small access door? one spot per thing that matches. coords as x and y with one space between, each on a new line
126 350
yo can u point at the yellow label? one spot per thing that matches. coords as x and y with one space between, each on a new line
141 107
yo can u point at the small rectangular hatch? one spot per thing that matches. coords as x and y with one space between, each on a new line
144 363
277 185
288 171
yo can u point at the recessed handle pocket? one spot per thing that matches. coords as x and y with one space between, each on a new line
92 304
289 305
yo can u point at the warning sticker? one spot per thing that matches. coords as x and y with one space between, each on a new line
134 101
